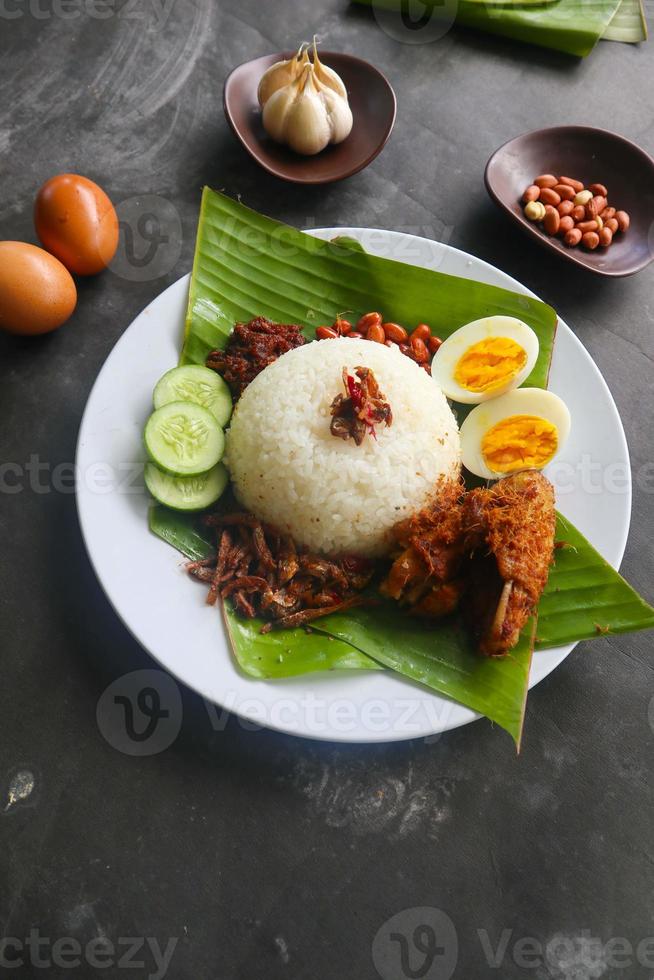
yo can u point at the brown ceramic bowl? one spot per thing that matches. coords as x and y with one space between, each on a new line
373 105
592 156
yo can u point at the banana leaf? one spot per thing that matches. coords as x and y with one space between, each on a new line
248 265
369 638
628 24
571 26
585 598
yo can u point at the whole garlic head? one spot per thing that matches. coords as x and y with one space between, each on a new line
307 115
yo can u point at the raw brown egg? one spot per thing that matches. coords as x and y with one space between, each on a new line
37 293
77 222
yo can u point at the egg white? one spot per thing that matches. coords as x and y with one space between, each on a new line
524 401
452 350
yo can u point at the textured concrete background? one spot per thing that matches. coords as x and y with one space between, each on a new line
268 856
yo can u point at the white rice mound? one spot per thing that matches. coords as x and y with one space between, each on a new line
333 496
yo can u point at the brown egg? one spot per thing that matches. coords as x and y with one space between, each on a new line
77 222
37 293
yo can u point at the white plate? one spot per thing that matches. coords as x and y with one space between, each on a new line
166 612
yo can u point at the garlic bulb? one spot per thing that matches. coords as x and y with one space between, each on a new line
282 73
307 114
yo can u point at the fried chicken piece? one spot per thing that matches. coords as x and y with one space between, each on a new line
424 574
510 533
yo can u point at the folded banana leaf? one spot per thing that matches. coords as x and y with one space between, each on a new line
247 265
584 598
570 26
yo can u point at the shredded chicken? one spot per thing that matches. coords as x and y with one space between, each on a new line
264 574
251 348
361 408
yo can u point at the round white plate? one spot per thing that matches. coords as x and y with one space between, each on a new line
166 612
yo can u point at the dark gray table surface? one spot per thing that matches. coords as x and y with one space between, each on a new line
263 855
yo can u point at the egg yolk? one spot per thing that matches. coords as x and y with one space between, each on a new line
519 442
489 363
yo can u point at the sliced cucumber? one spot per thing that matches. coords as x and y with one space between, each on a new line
194 383
184 439
186 492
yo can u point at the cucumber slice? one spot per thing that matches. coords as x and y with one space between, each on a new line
184 439
186 492
194 383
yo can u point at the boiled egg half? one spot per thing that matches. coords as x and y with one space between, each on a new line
485 358
522 430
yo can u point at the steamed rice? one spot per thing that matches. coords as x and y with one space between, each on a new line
333 496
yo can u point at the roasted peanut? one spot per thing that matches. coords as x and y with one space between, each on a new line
531 194
367 320
546 180
355 335
608 213
611 223
389 343
583 197
572 237
422 332
578 212
376 333
566 224
565 192
605 237
598 189
434 344
396 333
406 349
565 207
549 196
595 207
590 240
326 333
551 222
585 226
419 350
623 220
343 326
571 182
